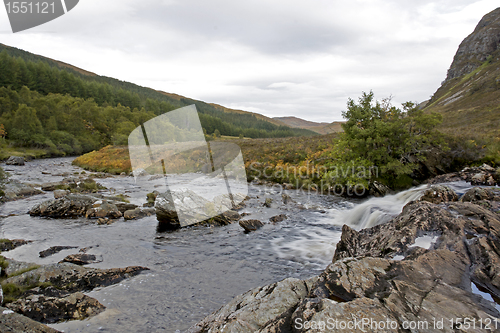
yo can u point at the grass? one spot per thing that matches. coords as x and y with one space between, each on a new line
271 154
473 117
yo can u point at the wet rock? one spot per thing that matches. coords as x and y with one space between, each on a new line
16 323
106 209
225 218
278 218
439 193
138 213
484 175
479 179
7 244
52 186
251 225
256 308
15 160
81 259
72 205
104 221
73 278
378 189
124 206
54 249
192 207
45 309
479 193
268 202
60 193
286 199
14 190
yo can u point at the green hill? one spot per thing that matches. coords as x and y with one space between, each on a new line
45 91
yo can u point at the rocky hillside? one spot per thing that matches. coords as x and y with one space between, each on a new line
469 98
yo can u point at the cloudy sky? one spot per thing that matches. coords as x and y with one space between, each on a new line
278 58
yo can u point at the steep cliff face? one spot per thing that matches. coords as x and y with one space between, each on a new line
477 47
469 98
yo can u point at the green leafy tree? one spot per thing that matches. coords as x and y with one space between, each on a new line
382 142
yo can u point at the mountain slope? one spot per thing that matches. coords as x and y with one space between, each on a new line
321 128
469 98
44 75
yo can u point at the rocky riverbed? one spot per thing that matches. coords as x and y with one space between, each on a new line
433 268
274 234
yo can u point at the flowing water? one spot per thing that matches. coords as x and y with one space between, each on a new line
194 270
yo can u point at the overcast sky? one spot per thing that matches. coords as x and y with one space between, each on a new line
275 57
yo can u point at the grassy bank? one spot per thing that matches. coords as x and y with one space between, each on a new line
269 155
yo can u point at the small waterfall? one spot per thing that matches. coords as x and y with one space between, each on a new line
376 211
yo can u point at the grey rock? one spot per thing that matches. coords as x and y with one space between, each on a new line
15 160
477 47
16 323
438 194
480 193
124 206
278 218
138 213
45 309
72 205
366 281
251 225
268 202
72 278
378 189
7 244
81 259
286 199
60 193
53 250
253 310
14 190
106 209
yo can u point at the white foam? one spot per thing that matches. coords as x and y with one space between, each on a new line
425 241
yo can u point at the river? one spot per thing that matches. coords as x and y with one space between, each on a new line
194 270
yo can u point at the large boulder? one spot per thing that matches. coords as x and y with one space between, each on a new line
103 210
14 190
15 160
438 194
72 205
193 208
481 193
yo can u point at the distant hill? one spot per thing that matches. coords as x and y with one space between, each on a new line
469 98
321 128
46 76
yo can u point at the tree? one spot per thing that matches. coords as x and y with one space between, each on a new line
216 133
377 134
